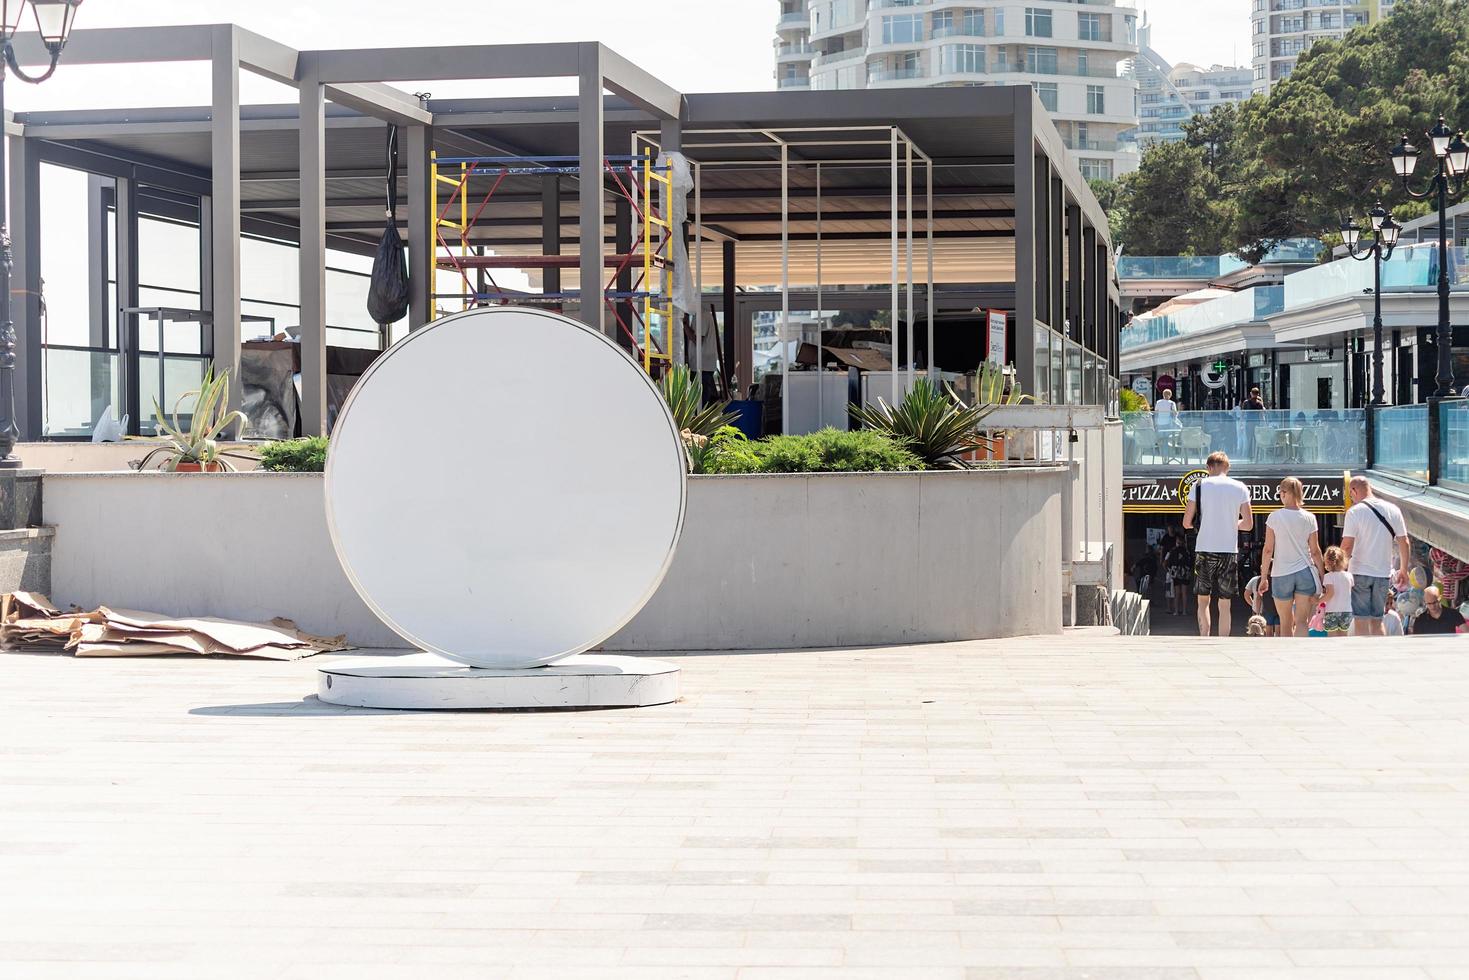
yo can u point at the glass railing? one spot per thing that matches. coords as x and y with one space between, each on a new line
1400 441
957 30
1245 306
1335 438
1049 70
892 74
799 82
1453 442
794 19
1176 266
1211 266
783 49
1411 267
79 385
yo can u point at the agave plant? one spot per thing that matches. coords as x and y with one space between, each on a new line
932 421
685 395
197 442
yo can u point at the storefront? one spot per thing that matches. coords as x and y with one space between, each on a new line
1152 505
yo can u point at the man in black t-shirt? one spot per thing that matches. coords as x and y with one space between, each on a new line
1435 617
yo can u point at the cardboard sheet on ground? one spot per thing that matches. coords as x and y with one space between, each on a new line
30 621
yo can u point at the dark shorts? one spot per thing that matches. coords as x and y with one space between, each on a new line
1216 573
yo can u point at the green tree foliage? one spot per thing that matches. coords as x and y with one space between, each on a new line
1294 163
1170 205
1316 148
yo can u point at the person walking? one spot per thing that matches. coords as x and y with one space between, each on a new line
1337 593
1436 618
1178 563
1263 606
1369 533
1220 506
1292 565
1254 403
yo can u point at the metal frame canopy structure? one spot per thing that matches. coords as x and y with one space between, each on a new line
1011 222
511 572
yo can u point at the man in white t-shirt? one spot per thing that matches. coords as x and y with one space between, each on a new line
1371 530
1220 508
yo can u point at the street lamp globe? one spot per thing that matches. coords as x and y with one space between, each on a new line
1350 233
54 19
1404 158
1389 231
1440 134
1458 155
1376 215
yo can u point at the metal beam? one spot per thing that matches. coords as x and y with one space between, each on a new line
225 251
312 258
262 56
639 87
382 102
589 147
125 45
551 228
435 63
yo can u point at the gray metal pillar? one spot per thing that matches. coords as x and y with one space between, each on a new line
728 267
589 148
1056 235
225 147
1076 280
312 258
136 403
551 230
1024 354
99 194
421 252
24 218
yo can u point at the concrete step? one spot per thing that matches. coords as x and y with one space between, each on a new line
1131 614
25 559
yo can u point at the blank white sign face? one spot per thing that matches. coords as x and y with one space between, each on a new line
505 487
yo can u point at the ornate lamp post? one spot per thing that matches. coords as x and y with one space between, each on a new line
1452 154
53 20
1385 233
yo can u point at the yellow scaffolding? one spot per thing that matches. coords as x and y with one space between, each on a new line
661 301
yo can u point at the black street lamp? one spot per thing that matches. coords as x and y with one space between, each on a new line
53 21
1385 233
1453 162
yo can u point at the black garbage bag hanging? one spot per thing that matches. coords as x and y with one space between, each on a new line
387 292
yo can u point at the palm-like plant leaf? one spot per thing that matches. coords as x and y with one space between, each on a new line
931 421
685 396
198 442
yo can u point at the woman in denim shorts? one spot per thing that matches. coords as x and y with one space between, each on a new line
1291 566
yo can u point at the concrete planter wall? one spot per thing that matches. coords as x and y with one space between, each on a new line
765 561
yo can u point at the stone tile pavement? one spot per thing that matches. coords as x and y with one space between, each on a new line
1059 807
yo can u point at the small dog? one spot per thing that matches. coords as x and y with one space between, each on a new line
1256 626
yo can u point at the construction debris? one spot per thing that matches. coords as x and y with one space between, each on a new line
29 621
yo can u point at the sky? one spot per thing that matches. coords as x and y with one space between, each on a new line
711 46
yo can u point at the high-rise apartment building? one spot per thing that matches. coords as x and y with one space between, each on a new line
1282 29
1170 95
1071 51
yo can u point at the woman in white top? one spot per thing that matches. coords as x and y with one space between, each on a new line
1165 411
1292 566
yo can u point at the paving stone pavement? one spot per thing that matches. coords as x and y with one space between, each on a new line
1058 807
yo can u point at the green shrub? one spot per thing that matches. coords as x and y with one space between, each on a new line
294 455
834 451
726 451
1130 401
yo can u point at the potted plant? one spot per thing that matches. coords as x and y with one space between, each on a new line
194 448
933 422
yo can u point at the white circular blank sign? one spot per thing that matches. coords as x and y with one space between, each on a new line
505 487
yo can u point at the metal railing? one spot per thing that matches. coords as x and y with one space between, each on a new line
1335 438
1426 444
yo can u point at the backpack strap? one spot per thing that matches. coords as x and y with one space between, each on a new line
1378 514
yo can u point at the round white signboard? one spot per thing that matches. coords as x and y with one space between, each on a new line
505 487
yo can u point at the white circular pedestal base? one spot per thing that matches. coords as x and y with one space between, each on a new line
429 681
